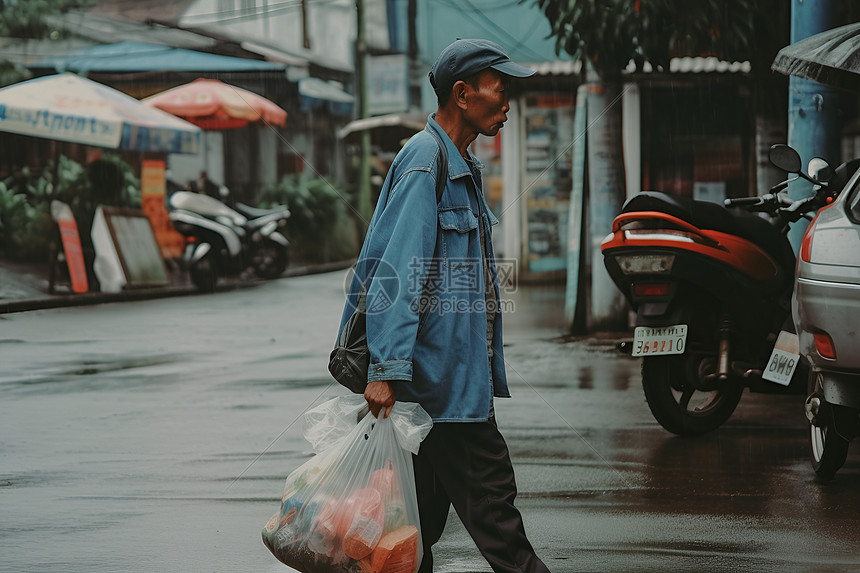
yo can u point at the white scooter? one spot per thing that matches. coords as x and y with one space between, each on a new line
227 242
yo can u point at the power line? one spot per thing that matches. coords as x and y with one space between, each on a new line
244 14
515 43
493 5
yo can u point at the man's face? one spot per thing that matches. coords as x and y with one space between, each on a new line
488 106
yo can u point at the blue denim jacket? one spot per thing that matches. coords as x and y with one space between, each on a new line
422 269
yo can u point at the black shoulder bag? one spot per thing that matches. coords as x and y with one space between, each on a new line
350 358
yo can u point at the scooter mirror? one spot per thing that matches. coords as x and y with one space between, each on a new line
785 158
819 169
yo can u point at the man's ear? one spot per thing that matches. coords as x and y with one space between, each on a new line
459 93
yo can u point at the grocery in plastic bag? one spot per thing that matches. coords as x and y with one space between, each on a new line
352 507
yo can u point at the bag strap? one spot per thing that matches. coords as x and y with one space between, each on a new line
441 163
441 180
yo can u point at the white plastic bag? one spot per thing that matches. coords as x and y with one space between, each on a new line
352 507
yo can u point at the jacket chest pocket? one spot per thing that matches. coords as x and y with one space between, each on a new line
457 225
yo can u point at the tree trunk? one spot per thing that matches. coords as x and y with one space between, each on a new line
574 305
605 198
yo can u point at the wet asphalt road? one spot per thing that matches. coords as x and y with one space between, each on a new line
155 436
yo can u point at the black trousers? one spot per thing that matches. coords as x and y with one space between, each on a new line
467 465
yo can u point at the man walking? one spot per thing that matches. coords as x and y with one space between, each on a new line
433 323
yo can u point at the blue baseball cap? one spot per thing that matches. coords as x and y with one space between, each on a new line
464 58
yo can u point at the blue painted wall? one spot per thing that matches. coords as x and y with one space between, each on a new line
521 29
813 117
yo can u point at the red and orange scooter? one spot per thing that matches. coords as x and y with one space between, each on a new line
711 288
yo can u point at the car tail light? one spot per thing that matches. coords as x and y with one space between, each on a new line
806 244
651 289
824 345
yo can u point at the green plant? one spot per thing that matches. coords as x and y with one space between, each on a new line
318 223
11 73
13 208
26 227
114 180
30 19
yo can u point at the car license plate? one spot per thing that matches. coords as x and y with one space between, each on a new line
783 360
657 341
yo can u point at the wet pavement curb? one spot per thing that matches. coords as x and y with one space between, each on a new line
49 301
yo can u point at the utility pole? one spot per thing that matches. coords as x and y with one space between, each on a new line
416 74
813 122
363 198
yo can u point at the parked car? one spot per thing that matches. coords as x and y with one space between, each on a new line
826 311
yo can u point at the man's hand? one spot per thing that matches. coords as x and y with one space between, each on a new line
380 395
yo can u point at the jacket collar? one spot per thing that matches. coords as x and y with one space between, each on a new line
457 166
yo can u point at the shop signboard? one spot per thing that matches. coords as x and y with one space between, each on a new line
547 179
387 85
71 241
153 188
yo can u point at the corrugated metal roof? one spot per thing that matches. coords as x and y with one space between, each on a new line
107 29
408 121
129 57
557 68
275 54
696 65
707 66
141 10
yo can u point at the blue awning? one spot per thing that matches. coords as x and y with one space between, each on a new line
316 88
132 57
315 93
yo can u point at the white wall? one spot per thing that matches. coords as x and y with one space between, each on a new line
268 157
184 167
331 25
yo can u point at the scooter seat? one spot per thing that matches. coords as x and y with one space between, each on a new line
255 213
714 217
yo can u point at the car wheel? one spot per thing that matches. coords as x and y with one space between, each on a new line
827 449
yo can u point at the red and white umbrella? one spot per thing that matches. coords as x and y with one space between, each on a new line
212 104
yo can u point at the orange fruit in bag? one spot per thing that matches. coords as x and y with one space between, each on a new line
396 552
323 533
365 525
384 480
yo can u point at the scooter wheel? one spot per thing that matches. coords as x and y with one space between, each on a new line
204 274
827 449
270 260
679 402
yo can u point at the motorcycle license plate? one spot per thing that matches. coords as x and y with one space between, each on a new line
783 360
659 341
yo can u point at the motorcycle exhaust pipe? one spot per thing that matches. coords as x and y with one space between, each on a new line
723 358
723 363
